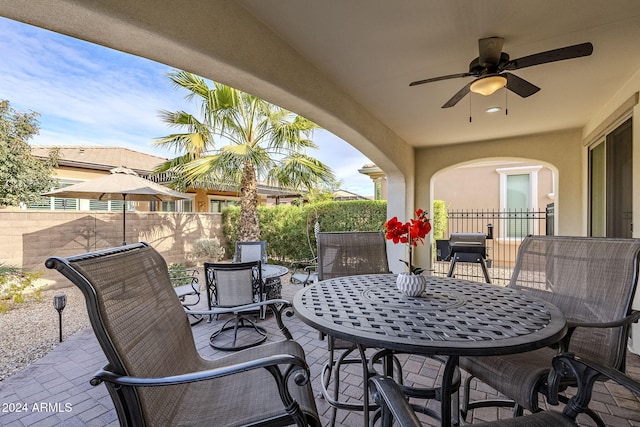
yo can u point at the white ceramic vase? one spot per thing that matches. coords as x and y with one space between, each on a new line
411 285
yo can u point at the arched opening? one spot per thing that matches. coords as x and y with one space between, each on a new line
504 199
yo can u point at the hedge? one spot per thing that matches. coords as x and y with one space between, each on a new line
289 230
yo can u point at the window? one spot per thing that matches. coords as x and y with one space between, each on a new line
177 206
56 203
107 205
216 206
518 195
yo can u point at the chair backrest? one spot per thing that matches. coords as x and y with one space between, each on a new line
235 284
251 251
347 253
590 280
138 321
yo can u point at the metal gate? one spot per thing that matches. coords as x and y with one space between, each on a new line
505 229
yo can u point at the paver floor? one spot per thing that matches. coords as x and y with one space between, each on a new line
55 390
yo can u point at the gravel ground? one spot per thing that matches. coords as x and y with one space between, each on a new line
30 330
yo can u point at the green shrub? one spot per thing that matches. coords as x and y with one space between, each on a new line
439 219
289 229
209 249
178 275
16 286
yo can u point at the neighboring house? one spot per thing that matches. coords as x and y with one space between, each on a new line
505 199
80 163
379 179
77 164
342 195
493 185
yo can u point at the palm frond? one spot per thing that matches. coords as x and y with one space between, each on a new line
300 169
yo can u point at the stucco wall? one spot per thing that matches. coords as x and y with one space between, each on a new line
29 238
478 186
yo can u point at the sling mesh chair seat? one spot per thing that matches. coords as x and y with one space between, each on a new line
232 286
345 254
593 282
566 365
251 251
155 375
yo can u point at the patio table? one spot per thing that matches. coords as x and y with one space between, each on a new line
271 274
452 317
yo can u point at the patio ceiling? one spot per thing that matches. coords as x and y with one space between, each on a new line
374 48
363 53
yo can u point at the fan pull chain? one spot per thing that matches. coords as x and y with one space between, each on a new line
506 102
470 107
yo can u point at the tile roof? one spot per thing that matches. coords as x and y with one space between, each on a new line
102 158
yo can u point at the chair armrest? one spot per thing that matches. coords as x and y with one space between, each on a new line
586 371
294 362
387 394
304 264
625 321
189 277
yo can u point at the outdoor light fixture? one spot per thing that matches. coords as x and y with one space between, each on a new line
59 303
488 85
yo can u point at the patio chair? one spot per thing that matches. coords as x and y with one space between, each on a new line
251 251
155 375
187 287
345 254
236 285
395 405
304 272
593 281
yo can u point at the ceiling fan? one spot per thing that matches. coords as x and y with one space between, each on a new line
492 66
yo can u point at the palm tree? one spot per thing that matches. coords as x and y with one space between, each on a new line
239 139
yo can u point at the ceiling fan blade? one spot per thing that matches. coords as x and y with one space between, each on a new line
437 79
458 96
490 49
520 86
569 52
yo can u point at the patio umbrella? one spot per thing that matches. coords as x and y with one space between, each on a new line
122 184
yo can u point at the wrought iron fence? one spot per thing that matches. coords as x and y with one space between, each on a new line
505 229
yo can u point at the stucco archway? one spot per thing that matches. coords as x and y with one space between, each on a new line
560 150
223 42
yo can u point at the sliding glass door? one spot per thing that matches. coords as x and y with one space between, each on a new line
610 184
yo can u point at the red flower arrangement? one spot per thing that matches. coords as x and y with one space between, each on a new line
410 233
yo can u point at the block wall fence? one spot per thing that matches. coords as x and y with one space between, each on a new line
28 238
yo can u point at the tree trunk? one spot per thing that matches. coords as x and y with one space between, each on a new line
249 230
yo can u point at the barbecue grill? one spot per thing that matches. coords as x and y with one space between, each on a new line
468 247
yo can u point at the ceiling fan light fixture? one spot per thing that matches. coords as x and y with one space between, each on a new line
488 85
493 109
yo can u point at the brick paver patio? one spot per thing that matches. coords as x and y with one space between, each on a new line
55 390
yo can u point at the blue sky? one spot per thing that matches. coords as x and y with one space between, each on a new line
94 96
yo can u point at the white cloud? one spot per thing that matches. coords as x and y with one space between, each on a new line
90 95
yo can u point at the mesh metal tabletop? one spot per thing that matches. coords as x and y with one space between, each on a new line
452 317
272 270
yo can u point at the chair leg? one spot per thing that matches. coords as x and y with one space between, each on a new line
484 270
464 407
518 410
239 322
468 406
